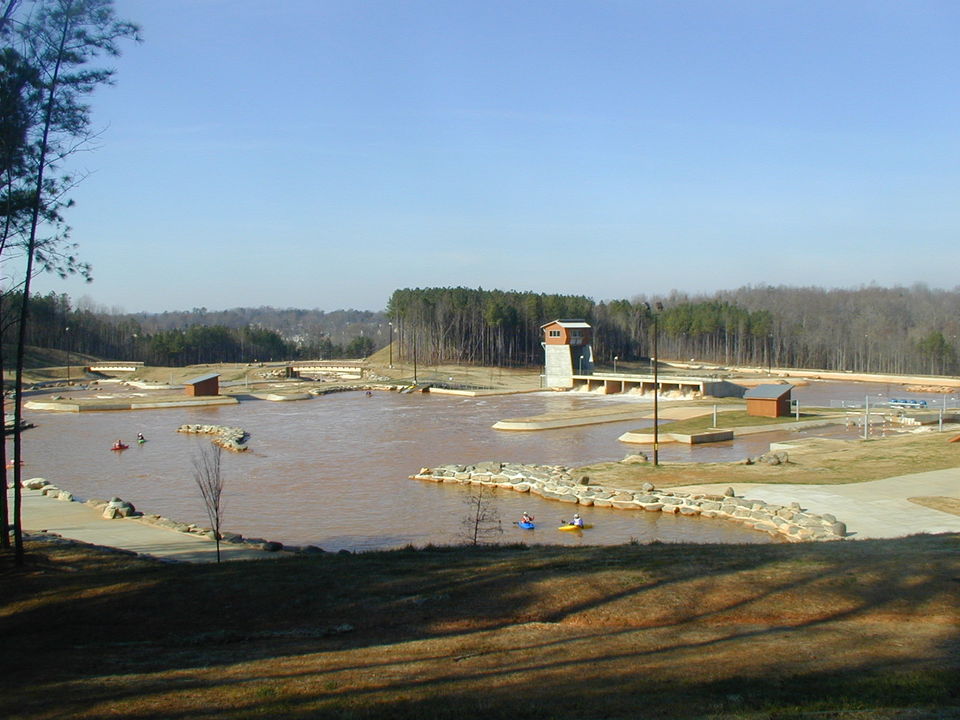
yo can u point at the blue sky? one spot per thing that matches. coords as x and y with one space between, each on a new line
321 153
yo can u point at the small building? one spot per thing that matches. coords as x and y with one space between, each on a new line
203 385
567 332
567 351
768 400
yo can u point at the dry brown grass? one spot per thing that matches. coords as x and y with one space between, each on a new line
943 504
818 461
663 631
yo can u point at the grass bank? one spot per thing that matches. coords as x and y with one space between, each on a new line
814 461
733 419
840 630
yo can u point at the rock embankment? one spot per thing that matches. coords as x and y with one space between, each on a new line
230 438
116 508
564 484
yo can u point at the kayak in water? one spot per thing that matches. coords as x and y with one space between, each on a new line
526 525
119 446
569 527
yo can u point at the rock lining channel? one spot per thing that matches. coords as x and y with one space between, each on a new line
563 484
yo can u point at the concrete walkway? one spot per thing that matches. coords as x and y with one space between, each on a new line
77 521
876 509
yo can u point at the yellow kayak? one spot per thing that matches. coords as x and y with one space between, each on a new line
575 527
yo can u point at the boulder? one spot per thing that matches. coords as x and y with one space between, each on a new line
839 529
64 495
271 546
34 483
729 492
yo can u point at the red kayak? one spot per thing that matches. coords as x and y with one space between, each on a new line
121 446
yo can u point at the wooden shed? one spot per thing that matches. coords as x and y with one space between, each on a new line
203 385
768 400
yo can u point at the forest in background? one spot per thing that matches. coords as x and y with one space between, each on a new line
912 330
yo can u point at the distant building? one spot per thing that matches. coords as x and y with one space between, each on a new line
567 351
768 400
203 385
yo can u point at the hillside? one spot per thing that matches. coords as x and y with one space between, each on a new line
863 629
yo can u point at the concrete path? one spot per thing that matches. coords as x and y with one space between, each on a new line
77 521
876 509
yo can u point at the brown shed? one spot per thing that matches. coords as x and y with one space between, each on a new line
768 400
204 385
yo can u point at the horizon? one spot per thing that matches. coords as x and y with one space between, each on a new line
306 155
86 302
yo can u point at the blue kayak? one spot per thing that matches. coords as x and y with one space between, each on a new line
526 525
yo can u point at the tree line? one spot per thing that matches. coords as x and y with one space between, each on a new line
891 330
903 330
197 337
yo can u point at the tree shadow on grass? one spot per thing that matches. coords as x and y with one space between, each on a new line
672 629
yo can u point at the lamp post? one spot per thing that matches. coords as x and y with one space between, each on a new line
391 343
658 307
66 336
615 358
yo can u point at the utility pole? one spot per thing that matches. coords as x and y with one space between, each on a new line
658 307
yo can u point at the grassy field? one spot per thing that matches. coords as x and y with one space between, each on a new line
817 461
840 630
731 419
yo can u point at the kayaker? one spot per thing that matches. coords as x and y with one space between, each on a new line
140 437
526 518
577 521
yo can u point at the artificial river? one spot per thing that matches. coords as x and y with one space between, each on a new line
333 471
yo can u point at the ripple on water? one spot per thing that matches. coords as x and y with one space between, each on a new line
333 471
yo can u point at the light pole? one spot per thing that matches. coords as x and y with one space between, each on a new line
66 336
391 343
615 358
658 307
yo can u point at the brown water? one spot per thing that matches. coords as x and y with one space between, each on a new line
333 471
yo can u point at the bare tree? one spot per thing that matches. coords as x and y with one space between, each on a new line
482 520
209 478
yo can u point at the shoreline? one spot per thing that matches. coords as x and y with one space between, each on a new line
48 510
